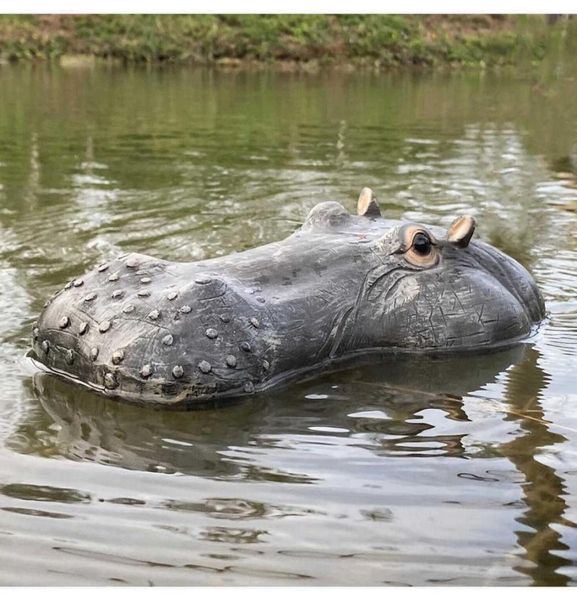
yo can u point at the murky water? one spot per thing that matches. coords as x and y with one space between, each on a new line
414 472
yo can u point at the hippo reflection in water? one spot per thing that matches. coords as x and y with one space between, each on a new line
340 287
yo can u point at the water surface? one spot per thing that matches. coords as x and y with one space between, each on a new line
425 471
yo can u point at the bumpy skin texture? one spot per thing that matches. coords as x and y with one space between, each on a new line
153 331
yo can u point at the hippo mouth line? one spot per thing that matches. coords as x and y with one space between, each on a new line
341 287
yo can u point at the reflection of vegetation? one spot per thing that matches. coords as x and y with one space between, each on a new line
544 489
380 40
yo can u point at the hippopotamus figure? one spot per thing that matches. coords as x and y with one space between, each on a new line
340 287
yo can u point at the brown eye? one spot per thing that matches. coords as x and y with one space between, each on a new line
418 246
422 245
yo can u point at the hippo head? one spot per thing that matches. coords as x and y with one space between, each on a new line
340 287
435 289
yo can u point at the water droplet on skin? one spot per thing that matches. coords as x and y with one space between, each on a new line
146 371
118 356
205 366
110 381
203 279
104 326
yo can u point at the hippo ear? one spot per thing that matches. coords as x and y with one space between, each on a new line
461 231
367 205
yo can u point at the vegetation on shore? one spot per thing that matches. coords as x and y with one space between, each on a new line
376 40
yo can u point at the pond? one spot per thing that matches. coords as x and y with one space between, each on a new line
455 471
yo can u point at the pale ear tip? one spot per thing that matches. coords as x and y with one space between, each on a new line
461 231
367 204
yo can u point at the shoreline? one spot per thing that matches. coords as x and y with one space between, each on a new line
286 42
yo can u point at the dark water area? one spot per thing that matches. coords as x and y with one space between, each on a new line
414 471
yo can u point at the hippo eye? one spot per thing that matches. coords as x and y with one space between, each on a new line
418 246
422 245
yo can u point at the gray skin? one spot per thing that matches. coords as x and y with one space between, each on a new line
341 287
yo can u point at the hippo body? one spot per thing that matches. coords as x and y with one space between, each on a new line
153 331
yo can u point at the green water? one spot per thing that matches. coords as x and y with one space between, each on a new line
458 471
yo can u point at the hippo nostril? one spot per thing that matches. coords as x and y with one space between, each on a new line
64 322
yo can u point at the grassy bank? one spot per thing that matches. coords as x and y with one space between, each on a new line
375 40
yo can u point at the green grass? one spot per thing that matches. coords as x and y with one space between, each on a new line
377 40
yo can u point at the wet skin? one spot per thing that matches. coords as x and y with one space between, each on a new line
340 287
